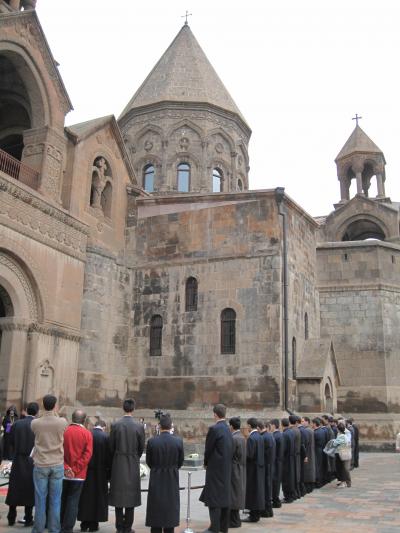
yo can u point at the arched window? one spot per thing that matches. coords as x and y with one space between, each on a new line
148 178
106 200
191 294
294 357
156 325
228 331
240 185
183 177
306 326
217 180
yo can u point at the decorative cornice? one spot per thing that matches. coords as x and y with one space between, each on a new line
175 110
24 211
15 324
388 287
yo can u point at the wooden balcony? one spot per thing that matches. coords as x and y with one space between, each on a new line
14 168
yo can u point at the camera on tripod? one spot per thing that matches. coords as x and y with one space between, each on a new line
158 413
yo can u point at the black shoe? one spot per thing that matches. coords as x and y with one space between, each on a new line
277 505
11 523
28 524
288 500
251 520
268 513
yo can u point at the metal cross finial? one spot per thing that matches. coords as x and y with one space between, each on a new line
356 118
185 16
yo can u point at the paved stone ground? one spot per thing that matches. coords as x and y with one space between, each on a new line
371 505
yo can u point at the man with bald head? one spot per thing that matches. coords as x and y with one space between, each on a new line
78 449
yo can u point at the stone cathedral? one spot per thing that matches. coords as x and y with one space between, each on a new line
135 261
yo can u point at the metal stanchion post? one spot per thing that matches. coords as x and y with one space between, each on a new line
188 529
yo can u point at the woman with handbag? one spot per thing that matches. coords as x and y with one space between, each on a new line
343 456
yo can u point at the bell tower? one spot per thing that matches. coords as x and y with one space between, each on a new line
360 159
183 131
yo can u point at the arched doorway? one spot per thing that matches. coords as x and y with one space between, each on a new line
328 398
18 310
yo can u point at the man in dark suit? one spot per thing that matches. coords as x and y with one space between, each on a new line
218 463
277 471
238 479
21 489
164 456
320 462
255 473
288 463
309 465
269 460
126 447
93 503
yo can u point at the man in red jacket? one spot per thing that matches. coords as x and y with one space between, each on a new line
78 449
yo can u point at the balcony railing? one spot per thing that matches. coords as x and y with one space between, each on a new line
18 170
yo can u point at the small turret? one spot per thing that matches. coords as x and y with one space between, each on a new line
360 159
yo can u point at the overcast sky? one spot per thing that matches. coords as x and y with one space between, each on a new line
298 71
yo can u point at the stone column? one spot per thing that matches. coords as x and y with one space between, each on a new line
380 186
359 183
13 354
45 152
344 190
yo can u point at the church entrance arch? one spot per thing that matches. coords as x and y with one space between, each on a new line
328 398
18 310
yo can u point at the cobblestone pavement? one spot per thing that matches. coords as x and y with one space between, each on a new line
371 505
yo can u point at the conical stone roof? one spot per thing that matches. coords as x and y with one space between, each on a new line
183 74
358 142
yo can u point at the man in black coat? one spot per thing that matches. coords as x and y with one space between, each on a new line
299 453
238 478
21 490
255 473
309 465
320 463
355 444
277 470
126 446
93 503
164 456
288 463
216 494
269 461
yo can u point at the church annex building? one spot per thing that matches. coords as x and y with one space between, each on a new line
134 259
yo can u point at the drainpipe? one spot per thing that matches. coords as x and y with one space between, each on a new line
279 197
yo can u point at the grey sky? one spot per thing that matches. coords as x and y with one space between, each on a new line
298 71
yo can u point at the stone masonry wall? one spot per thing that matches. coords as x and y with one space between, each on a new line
234 253
359 299
103 353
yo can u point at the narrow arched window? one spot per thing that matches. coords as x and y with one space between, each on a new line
240 185
156 325
191 294
228 331
294 358
183 177
217 180
306 326
106 200
148 178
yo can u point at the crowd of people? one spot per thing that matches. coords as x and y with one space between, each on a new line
68 473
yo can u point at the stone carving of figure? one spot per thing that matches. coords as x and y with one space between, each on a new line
99 181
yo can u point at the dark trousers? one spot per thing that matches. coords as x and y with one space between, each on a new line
12 514
219 518
69 504
161 530
124 518
276 489
234 519
343 470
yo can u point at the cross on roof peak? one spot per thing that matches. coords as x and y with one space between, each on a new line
356 118
185 16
